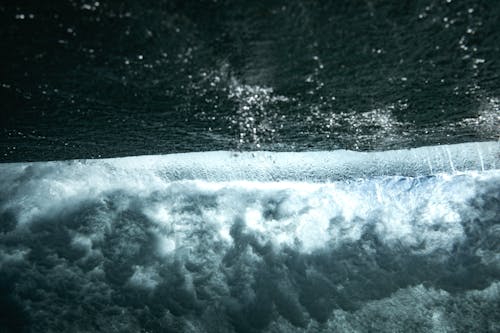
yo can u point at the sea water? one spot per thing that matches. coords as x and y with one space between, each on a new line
250 166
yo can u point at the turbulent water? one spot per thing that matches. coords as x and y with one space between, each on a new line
250 166
223 242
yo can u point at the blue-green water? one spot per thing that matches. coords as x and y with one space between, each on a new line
277 194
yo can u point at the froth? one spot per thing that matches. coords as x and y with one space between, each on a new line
162 241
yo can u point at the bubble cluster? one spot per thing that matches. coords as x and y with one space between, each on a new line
256 117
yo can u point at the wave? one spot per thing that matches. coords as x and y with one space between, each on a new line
276 166
254 242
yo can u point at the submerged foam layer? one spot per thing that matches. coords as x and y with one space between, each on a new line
138 243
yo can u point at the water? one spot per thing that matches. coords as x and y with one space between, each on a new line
251 242
235 166
103 79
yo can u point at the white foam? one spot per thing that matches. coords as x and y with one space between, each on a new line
420 212
291 234
262 166
310 217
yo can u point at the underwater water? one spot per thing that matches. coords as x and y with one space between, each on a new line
241 166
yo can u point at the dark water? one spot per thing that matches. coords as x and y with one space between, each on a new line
310 216
113 78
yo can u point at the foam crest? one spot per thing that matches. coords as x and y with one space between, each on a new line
36 188
314 166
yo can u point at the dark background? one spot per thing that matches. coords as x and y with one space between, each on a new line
87 79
